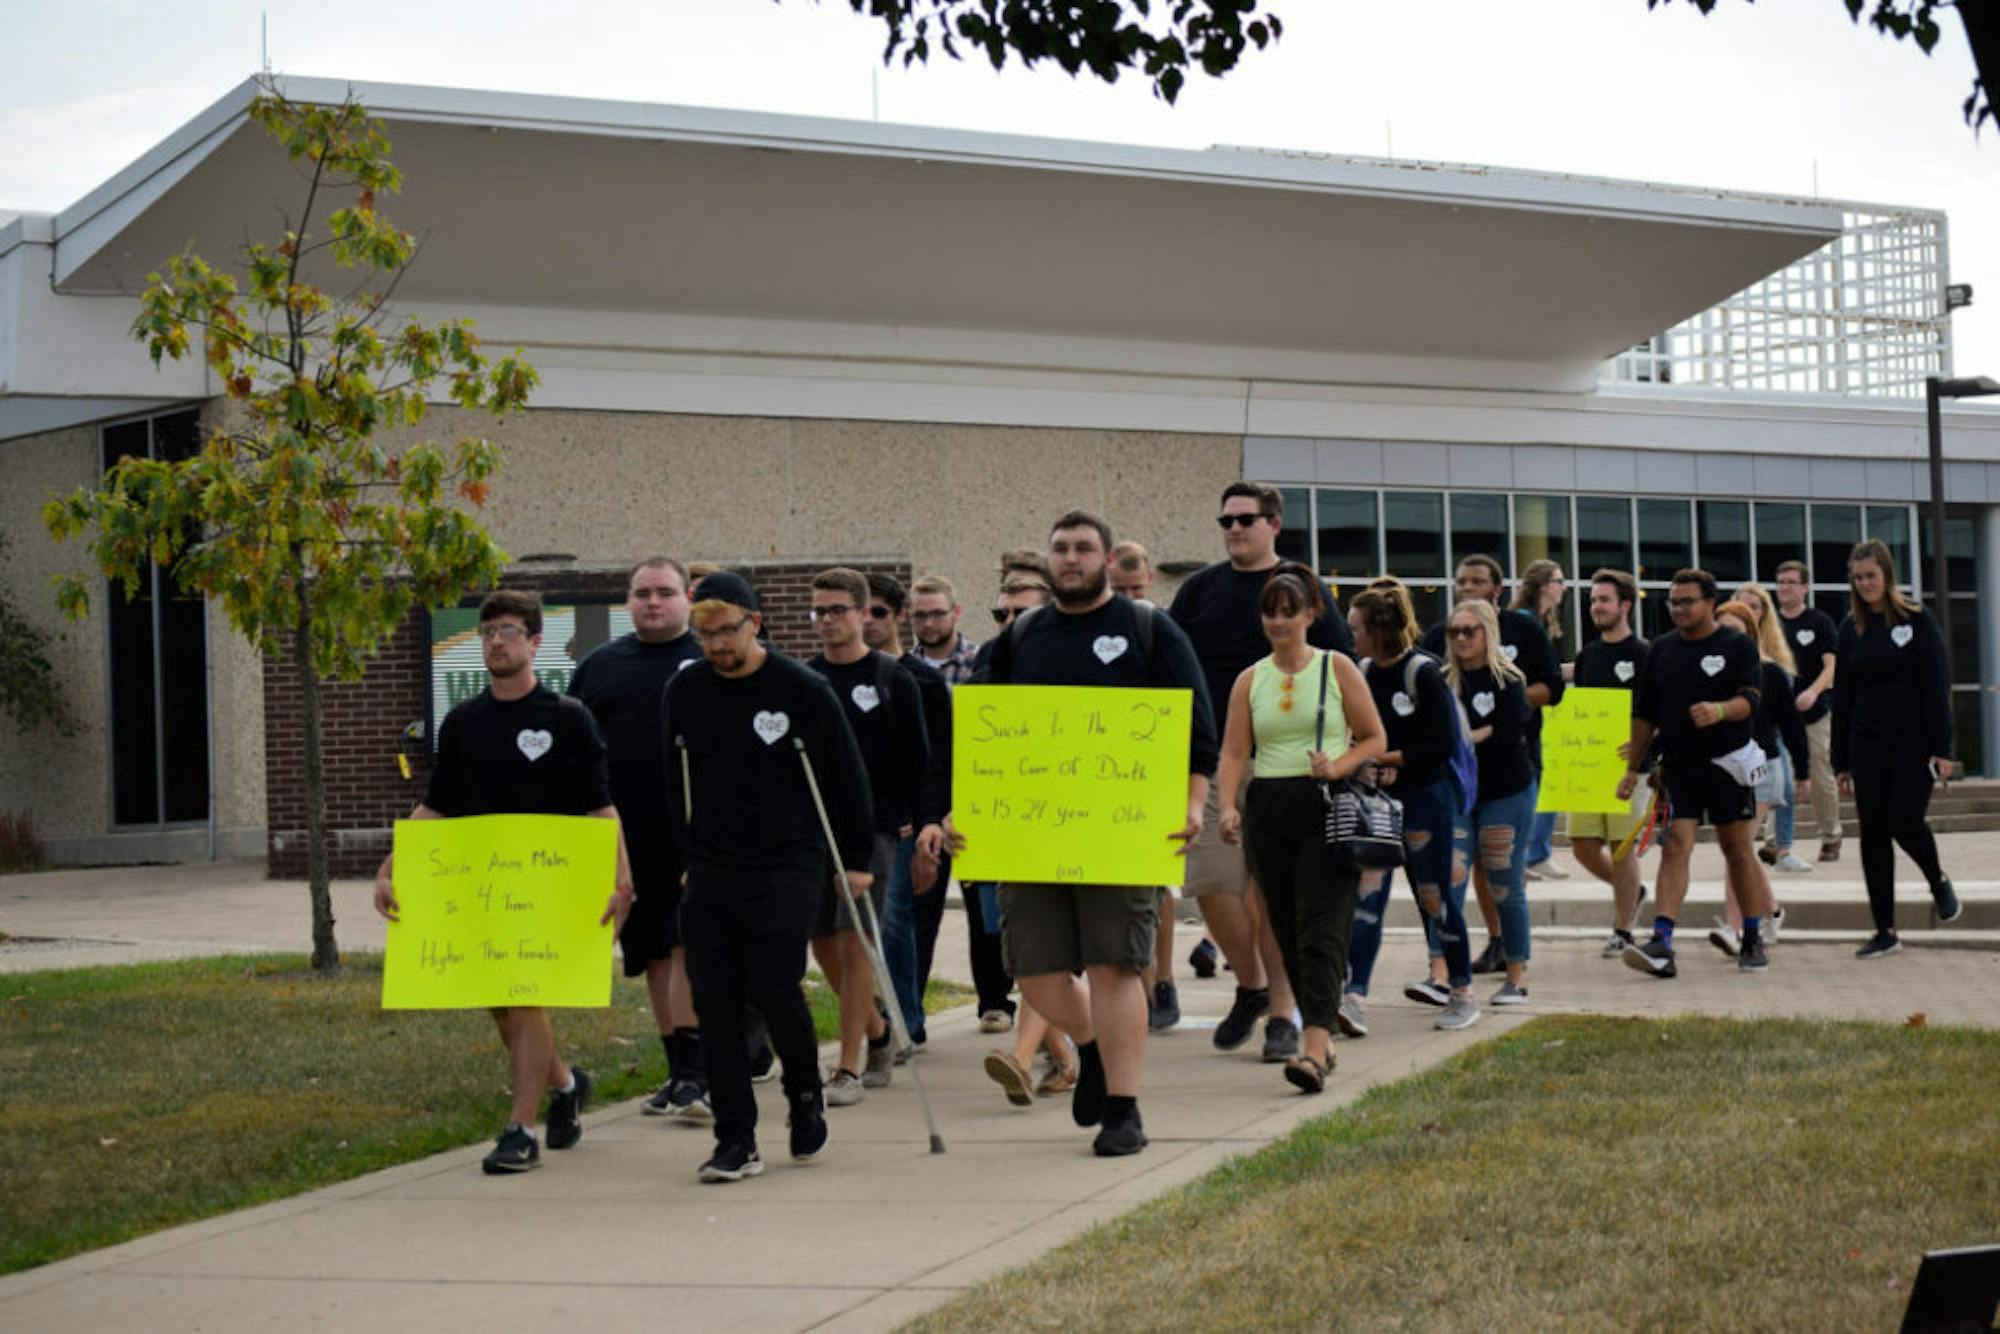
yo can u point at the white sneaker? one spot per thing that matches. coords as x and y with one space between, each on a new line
1614 945
1353 1020
1547 870
843 1089
1461 1012
1792 864
1724 938
1771 925
1509 994
995 1021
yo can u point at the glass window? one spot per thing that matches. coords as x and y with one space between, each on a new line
1836 528
1832 602
1654 618
1724 529
1478 526
1603 535
1295 537
1891 523
1347 535
1964 637
1968 743
1666 539
1781 536
1959 548
1431 602
1413 529
1541 531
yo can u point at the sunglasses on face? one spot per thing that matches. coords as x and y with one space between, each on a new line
1226 521
818 614
879 613
1002 615
721 631
1465 631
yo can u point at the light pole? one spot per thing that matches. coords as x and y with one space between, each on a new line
1936 390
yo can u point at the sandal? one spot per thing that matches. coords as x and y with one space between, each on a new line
1008 1074
1308 1074
1059 1080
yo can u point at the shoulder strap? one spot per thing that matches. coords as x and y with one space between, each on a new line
1142 614
1411 665
885 685
1319 723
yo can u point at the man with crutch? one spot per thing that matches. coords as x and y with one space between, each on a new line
746 821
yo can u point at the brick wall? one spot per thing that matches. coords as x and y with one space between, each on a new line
363 721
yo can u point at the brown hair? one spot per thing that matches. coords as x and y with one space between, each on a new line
1024 560
935 583
1897 606
1084 519
1270 503
1627 586
1026 583
1797 567
841 579
513 602
659 563
1528 595
1131 556
1292 588
1486 563
1386 614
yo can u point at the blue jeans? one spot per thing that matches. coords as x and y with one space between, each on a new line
899 935
1782 817
1541 837
1503 855
1437 844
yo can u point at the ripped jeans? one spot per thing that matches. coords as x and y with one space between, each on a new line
1500 838
1438 845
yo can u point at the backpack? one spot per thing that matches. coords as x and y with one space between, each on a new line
1464 763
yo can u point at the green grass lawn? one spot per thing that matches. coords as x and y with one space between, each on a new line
1579 1172
134 1098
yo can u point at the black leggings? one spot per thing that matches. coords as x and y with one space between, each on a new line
989 970
1310 897
1892 793
746 945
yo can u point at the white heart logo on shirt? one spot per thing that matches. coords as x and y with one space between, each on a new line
1713 663
1902 635
534 744
1482 703
1402 704
1108 647
865 698
1510 651
1806 636
1624 671
770 726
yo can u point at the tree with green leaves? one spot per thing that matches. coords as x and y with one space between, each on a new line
30 690
313 537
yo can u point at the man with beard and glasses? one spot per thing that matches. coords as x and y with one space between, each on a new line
1605 844
1091 637
934 618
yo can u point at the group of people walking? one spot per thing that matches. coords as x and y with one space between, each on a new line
760 798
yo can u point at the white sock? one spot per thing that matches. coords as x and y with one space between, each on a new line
571 1086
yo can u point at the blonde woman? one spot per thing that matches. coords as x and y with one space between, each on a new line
1495 694
1776 650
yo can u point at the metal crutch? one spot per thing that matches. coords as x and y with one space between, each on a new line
870 942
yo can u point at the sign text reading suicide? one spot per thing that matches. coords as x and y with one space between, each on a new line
1070 784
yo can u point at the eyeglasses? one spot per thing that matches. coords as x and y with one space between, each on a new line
506 630
1684 602
930 615
1225 521
879 613
721 631
1466 631
818 614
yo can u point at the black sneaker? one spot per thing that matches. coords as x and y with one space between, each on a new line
564 1129
1654 958
1880 944
661 1103
1492 959
1755 955
1202 958
690 1100
1234 1030
808 1123
1768 855
733 1162
1430 991
1163 1009
1116 1139
1946 898
1281 1040
515 1151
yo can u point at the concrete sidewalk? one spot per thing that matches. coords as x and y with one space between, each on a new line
618 1233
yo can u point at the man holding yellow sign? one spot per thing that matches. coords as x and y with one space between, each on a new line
1081 768
515 749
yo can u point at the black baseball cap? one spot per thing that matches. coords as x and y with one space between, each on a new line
727 586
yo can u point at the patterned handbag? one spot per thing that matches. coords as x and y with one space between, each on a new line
1364 824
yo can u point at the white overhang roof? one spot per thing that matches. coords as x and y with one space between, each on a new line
629 208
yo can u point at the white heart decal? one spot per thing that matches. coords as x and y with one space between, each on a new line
1902 635
1713 663
865 698
1402 704
1806 636
1482 703
534 744
770 726
1510 651
1108 647
1625 670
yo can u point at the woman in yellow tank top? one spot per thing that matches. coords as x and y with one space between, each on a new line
1310 719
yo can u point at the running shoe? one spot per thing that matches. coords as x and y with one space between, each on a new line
1509 994
995 1021
1829 851
1491 959
1115 1139
565 1128
1946 899
1430 991
1772 924
1756 957
881 1067
661 1103
1163 1010
1546 869
515 1151
1723 936
1792 864
691 1101
1768 855
1353 1020
807 1124
733 1162
1202 958
1462 1012
1880 944
1615 943
843 1089
1281 1040
1235 1028
1654 958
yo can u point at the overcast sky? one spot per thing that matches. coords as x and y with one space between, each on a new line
1783 96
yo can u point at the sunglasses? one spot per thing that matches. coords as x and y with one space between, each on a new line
1227 521
1002 615
818 614
721 631
1466 631
879 613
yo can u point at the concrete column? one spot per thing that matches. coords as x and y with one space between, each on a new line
1989 635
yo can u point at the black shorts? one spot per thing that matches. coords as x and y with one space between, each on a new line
653 928
1067 928
1698 789
833 916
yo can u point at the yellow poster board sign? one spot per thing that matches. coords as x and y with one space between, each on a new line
1581 767
501 910
1070 784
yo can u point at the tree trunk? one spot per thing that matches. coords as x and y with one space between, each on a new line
325 954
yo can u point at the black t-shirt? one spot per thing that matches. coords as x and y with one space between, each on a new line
1503 755
1680 672
1892 681
935 690
536 755
894 742
1602 665
1813 638
1778 719
1102 647
1421 727
622 683
1217 607
752 813
1524 643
